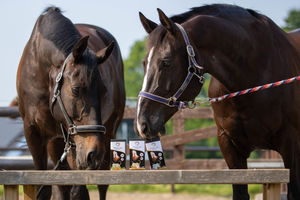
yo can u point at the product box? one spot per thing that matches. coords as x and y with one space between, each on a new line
118 154
137 154
155 153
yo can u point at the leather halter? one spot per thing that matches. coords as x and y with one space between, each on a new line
73 129
172 101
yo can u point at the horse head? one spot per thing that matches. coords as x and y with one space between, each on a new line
76 90
166 67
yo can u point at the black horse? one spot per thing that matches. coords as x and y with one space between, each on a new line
241 49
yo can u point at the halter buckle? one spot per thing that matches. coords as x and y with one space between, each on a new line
190 50
56 94
58 78
72 130
201 78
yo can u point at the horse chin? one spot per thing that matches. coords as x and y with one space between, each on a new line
150 135
85 166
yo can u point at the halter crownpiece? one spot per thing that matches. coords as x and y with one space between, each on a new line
172 101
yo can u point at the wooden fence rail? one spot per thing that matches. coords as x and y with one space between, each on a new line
271 179
180 137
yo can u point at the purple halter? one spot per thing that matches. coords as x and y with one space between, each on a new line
172 101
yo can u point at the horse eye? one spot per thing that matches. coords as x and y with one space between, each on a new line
76 90
166 63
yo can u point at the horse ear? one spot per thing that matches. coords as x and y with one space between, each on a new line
166 22
149 25
80 47
103 54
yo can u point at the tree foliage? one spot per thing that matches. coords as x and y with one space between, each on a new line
133 68
293 20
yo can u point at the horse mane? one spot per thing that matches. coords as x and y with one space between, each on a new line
61 31
214 10
228 11
57 28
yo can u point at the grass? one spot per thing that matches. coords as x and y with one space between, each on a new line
210 189
213 190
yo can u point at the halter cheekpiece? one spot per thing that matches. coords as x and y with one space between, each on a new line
193 66
73 129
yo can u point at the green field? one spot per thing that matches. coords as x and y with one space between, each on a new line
214 190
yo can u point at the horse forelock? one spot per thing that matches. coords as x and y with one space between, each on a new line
58 29
88 67
156 37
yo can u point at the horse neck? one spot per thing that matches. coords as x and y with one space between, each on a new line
236 57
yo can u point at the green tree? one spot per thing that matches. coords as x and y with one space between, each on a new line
293 20
133 68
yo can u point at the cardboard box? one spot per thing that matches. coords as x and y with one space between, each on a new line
118 154
137 154
155 153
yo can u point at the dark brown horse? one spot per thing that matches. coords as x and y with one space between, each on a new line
70 75
241 49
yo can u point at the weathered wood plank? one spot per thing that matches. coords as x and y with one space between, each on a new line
179 150
11 192
205 164
189 164
29 192
9 111
188 136
196 113
265 191
129 113
145 177
272 191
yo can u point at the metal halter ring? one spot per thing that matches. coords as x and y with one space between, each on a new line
171 100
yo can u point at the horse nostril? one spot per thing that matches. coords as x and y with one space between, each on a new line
91 158
144 128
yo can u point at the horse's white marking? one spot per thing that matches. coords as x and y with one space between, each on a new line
139 126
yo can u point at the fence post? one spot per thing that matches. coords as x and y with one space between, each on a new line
29 192
179 127
179 151
272 191
11 192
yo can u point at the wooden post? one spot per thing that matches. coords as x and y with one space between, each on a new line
265 191
29 192
271 191
274 191
11 192
179 151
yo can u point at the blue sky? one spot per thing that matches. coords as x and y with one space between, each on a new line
120 17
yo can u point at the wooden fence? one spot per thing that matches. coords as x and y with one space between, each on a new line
180 137
190 169
271 179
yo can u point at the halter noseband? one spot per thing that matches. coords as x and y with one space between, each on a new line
73 129
172 101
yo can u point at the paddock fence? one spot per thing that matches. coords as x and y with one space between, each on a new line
175 143
267 171
270 179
